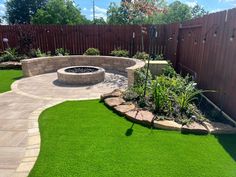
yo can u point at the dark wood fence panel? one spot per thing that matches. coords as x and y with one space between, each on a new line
207 50
79 38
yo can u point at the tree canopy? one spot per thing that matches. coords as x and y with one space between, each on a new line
59 12
152 12
21 11
133 12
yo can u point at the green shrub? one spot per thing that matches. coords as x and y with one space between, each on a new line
169 71
159 57
9 54
120 53
141 56
140 76
35 53
61 52
92 51
163 103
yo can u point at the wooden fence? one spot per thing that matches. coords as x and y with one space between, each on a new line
81 37
207 49
204 47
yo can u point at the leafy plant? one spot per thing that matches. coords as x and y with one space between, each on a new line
120 53
187 96
141 56
61 52
92 51
159 57
9 54
36 53
140 76
169 71
162 98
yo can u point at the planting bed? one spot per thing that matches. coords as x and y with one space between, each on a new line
115 101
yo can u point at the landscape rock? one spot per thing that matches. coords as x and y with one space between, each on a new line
115 93
194 128
219 128
10 65
122 109
167 125
115 101
144 117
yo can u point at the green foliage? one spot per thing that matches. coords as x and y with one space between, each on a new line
198 11
177 12
169 71
169 95
141 56
61 52
140 76
186 96
21 11
120 53
59 12
153 12
99 21
162 98
133 12
92 51
159 57
9 54
35 53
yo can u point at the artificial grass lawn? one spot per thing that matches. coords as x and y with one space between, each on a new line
7 77
84 138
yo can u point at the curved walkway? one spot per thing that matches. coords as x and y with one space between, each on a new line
21 107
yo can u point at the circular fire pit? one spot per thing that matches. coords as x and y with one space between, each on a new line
81 75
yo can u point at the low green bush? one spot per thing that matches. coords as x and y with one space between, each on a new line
136 93
92 51
159 57
9 54
141 56
169 71
35 53
61 52
120 53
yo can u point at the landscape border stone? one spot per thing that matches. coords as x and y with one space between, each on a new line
115 102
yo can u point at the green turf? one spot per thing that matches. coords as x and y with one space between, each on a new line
84 138
7 77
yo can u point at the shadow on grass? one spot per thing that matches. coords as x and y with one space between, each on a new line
129 131
229 144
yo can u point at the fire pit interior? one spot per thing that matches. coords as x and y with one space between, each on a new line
81 75
81 69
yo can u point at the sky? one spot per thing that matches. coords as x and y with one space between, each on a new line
102 5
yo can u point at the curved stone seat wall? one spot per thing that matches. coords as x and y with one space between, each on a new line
119 65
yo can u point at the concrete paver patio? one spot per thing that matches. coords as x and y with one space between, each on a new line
19 111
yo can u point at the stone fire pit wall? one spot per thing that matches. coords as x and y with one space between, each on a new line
118 65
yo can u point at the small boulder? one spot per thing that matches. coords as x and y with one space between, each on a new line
219 128
114 93
167 125
124 108
144 117
115 101
194 128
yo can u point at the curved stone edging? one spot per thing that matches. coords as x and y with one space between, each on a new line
120 65
115 101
